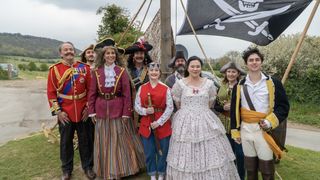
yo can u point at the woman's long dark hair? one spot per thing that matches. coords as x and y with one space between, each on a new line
192 58
100 61
147 60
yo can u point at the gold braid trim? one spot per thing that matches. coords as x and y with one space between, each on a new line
66 75
98 76
121 72
143 74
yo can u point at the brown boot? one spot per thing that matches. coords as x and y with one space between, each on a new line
251 165
267 169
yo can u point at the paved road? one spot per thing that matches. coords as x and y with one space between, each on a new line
303 138
23 108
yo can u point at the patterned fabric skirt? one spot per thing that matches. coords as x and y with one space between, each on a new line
118 151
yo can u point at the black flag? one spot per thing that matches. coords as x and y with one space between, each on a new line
258 21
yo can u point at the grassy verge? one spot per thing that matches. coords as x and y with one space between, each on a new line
35 158
33 75
305 114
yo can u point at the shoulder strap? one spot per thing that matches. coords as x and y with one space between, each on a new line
246 94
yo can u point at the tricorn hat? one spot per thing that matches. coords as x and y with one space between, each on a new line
179 54
232 65
108 42
139 46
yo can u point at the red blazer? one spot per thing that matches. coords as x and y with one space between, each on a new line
113 108
158 98
66 82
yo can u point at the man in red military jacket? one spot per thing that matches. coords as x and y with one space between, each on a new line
67 88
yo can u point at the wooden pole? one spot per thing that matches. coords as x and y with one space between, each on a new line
165 39
295 53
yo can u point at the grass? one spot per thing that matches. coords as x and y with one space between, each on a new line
33 75
35 158
305 114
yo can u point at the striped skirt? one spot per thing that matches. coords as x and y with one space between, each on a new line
118 151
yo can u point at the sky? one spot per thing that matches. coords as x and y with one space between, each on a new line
76 21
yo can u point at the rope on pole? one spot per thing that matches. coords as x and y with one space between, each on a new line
195 35
130 24
295 53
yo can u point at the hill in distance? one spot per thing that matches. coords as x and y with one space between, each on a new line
29 46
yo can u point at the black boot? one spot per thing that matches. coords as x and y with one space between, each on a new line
267 169
251 165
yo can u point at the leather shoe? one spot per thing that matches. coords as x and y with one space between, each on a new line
90 174
66 176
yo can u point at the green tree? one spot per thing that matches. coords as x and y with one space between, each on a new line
44 67
3 74
114 22
22 67
32 66
302 84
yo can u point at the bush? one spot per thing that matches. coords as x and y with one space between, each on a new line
44 67
3 74
32 66
22 67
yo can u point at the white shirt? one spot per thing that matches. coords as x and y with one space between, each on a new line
259 96
167 112
110 75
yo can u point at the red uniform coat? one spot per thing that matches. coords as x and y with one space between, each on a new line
112 108
158 98
67 88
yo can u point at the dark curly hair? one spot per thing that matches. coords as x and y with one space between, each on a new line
250 51
147 60
192 58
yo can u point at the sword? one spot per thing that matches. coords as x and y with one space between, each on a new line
153 130
238 16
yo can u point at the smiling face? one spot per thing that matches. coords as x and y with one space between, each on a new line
67 52
89 55
254 63
194 68
154 73
232 75
110 56
138 57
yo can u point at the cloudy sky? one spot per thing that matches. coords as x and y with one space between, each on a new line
76 21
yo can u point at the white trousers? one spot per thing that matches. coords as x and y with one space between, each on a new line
253 142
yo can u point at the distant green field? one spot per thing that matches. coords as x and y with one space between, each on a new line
26 74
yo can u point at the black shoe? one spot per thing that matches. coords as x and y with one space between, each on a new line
66 176
90 174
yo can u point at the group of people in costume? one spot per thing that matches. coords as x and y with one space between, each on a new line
127 120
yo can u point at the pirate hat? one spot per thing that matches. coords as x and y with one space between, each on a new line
179 54
83 53
232 65
139 46
108 42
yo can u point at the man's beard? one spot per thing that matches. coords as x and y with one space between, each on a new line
180 69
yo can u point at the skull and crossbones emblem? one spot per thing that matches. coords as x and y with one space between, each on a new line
246 14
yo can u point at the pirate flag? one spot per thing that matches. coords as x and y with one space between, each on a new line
258 21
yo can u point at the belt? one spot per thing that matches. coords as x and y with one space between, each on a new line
109 96
72 97
158 110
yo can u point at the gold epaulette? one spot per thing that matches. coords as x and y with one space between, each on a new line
55 64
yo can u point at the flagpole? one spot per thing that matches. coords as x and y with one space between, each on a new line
295 53
200 45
